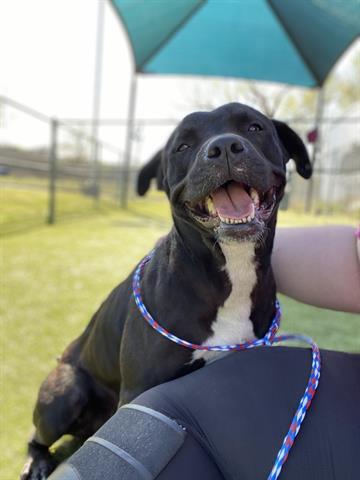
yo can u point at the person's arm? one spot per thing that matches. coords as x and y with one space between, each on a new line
319 266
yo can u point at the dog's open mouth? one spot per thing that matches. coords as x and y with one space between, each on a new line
234 204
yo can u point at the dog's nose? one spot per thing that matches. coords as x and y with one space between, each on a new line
225 146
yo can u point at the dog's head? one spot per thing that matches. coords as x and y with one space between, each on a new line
224 170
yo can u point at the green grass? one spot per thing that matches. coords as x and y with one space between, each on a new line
53 278
24 202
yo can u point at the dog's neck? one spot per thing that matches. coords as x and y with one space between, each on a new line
201 248
209 292
233 324
243 268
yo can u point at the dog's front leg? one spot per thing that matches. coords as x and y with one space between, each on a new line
39 463
62 399
137 377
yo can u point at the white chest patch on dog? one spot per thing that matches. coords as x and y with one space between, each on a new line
233 324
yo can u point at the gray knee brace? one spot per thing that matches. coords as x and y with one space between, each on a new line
136 444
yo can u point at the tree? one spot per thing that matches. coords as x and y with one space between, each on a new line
209 94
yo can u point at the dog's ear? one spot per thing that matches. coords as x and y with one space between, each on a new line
152 169
295 148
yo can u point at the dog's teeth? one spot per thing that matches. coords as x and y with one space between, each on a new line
236 221
254 196
206 205
210 205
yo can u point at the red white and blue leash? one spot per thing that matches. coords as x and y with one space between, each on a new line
269 339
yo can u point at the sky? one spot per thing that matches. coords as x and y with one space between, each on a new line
47 62
47 58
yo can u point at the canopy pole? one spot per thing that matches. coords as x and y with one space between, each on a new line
316 149
128 145
97 97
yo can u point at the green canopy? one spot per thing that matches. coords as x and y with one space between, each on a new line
289 41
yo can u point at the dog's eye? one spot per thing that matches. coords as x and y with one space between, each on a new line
254 127
182 147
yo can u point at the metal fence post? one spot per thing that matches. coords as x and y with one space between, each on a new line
98 166
128 145
97 97
52 171
94 176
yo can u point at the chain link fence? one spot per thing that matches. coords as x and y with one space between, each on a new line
50 170
335 184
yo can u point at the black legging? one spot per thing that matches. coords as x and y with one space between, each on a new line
228 420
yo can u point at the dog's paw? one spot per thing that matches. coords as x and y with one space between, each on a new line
38 468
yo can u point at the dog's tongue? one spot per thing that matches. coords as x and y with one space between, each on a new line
232 201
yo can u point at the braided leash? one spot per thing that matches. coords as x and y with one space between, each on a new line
269 339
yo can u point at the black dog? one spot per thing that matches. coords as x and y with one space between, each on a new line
209 282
